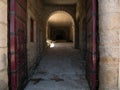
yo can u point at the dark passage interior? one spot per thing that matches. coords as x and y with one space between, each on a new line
62 67
60 27
59 33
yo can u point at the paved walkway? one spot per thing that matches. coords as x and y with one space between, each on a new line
60 69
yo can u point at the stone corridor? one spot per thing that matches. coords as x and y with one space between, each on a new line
92 25
61 68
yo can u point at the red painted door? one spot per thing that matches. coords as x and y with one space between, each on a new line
92 70
17 44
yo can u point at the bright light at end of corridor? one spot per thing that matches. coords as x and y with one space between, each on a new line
52 45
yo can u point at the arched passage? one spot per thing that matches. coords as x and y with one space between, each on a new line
109 60
60 27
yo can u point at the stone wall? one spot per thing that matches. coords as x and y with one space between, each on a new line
3 45
35 48
109 29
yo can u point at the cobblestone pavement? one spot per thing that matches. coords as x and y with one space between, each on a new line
60 69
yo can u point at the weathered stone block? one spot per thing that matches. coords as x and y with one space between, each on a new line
3 11
110 21
3 85
3 35
3 60
109 51
108 77
109 62
109 37
109 6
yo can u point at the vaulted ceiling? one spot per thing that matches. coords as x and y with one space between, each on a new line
61 2
60 19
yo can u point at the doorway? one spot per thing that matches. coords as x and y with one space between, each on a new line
60 27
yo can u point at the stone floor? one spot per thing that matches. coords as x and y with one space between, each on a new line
60 69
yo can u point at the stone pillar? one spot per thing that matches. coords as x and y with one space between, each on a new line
3 45
109 30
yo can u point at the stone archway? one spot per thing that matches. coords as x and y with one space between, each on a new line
63 20
109 40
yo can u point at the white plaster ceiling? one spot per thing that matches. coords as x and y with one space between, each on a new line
60 19
66 2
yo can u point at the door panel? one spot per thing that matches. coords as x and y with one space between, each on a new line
92 46
17 44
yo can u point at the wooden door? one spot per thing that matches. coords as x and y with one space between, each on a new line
92 71
17 44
